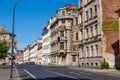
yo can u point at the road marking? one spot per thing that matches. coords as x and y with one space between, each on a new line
61 74
30 74
17 73
75 73
112 75
84 73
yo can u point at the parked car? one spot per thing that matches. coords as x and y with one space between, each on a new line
32 62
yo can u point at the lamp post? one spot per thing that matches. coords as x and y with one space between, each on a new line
12 42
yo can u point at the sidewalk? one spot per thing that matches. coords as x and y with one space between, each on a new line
108 71
5 74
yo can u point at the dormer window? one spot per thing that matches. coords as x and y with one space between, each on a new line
68 12
63 13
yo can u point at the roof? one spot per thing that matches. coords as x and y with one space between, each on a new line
71 6
3 30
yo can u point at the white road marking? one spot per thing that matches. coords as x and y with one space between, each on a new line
17 73
61 74
84 73
30 74
112 75
75 73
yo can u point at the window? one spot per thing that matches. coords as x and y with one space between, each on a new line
74 58
92 51
87 51
76 21
96 47
61 33
61 45
76 36
87 33
96 29
80 17
63 21
91 30
82 64
87 64
91 64
81 34
81 54
96 64
87 16
95 7
69 12
63 13
63 58
91 13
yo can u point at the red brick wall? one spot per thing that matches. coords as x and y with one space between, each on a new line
111 38
108 9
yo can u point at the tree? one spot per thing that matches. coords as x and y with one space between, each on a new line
4 47
105 65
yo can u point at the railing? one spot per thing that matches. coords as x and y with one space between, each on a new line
65 16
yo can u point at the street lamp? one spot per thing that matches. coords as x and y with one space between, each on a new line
12 42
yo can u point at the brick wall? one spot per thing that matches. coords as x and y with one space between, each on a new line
108 9
111 38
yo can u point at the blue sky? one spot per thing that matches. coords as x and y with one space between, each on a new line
31 17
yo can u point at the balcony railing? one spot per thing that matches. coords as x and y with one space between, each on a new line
65 16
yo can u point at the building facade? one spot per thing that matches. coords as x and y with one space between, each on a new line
117 60
46 48
5 34
97 27
19 57
33 52
39 51
61 37
26 54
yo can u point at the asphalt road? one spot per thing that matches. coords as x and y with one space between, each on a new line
36 72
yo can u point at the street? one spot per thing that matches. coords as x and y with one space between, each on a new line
37 72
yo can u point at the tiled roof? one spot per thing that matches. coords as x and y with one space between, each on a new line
70 6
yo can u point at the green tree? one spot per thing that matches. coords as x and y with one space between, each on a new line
105 65
4 47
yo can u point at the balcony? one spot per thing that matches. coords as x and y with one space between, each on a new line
65 17
53 43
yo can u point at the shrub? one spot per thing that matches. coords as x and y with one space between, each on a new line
105 65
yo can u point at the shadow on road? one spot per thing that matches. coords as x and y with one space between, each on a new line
56 78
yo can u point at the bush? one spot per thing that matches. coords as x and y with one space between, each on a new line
105 65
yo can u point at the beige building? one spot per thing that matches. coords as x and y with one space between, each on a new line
85 35
97 26
39 51
61 37
19 57
5 34
33 52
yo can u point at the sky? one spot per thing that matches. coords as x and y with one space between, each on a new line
30 18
